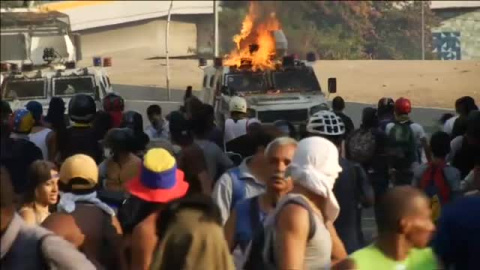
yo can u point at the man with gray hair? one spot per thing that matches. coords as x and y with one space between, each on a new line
248 214
248 179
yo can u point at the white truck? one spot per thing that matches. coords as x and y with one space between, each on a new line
290 91
38 60
57 81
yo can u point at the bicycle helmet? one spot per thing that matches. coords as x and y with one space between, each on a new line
21 121
403 106
82 108
287 128
326 123
238 104
385 105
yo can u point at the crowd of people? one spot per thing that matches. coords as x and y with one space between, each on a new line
90 188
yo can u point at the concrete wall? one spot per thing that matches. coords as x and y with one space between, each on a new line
205 35
458 36
146 36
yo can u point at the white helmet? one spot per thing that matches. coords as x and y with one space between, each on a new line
326 123
238 104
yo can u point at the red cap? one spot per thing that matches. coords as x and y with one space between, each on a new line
403 106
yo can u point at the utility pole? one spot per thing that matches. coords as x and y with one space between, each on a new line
167 34
423 30
215 15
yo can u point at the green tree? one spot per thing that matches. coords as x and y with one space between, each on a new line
398 30
341 29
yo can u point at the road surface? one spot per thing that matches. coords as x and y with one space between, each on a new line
139 97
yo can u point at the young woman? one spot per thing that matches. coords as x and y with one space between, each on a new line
42 192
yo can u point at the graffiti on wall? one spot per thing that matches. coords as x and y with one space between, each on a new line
447 45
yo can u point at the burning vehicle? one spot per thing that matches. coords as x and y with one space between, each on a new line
276 86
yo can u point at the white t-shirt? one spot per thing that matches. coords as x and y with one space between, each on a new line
448 126
235 129
418 134
40 140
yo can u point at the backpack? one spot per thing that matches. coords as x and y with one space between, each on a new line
401 146
248 220
238 187
361 146
261 253
436 187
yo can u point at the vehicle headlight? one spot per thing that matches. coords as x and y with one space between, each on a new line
317 108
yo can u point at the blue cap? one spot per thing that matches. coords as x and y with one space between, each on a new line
36 109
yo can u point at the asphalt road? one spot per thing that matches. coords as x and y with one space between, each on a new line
138 98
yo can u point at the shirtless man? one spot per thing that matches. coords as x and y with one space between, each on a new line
82 219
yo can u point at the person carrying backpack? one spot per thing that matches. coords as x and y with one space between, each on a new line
248 179
439 181
367 146
250 213
405 140
386 112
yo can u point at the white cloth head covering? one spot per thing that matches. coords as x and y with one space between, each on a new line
315 167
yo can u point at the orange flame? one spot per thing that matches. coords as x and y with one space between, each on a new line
255 32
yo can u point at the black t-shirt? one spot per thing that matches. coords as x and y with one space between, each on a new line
464 159
17 155
351 190
459 127
82 140
242 145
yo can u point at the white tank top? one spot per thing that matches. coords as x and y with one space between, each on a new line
40 140
236 129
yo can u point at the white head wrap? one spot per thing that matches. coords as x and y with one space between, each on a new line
315 167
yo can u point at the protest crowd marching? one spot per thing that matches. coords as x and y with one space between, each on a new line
84 187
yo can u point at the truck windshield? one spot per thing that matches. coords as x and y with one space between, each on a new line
71 85
247 82
296 80
25 89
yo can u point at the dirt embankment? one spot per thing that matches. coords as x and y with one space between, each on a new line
426 83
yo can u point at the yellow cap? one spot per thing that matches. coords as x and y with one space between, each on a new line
158 160
79 166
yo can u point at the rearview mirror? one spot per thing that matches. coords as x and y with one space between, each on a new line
332 85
